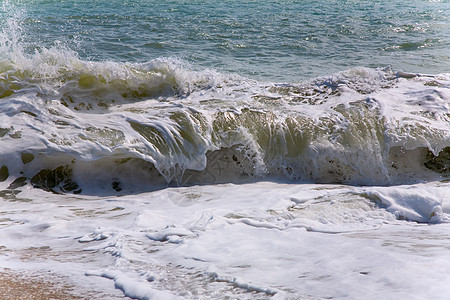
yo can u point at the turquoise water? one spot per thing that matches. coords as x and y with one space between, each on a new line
265 40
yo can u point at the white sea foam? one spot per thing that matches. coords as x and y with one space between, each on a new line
248 241
362 126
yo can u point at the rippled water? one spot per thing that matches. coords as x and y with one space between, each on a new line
265 40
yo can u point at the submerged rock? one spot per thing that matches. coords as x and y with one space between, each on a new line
4 173
439 163
56 180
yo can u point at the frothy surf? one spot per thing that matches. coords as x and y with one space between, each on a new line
66 118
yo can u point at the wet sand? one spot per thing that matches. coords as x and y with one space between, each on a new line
16 285
33 286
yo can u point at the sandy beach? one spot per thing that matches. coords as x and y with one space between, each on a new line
43 286
14 285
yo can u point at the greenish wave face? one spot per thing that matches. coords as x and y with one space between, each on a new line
362 126
144 93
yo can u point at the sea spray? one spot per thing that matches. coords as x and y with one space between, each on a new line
361 126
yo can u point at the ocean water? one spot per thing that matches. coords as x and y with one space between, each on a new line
227 150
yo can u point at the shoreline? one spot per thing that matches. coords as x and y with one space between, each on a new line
30 285
36 285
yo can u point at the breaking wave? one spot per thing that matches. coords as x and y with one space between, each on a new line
70 125
73 125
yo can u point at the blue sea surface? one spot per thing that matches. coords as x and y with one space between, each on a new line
265 40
